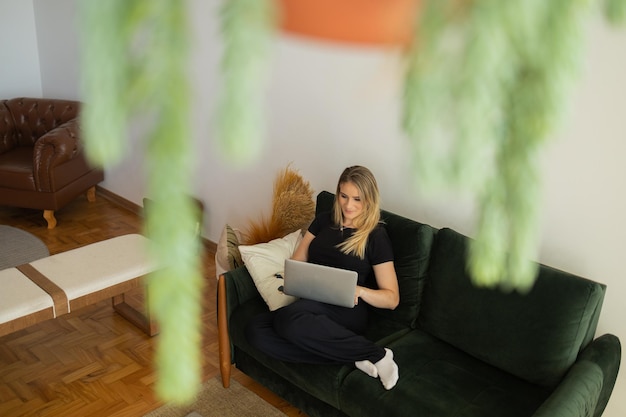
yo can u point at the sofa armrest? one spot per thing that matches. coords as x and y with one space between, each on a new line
53 149
586 388
240 287
233 289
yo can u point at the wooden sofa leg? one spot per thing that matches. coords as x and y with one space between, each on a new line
49 216
222 332
91 194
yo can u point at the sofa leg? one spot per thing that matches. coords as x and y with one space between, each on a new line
143 321
49 216
222 330
91 194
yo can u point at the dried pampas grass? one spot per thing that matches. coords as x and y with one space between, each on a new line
293 208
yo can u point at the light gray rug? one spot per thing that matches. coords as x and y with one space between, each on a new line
18 247
215 400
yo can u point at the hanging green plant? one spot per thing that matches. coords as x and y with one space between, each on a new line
247 28
615 11
485 87
135 61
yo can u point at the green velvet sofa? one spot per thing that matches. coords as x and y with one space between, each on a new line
461 350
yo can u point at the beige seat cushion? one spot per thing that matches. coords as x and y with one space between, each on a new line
20 296
97 266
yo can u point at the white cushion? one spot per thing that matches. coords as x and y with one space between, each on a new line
264 260
20 296
100 265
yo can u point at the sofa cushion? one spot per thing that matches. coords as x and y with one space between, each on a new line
322 381
438 380
16 169
536 336
305 402
227 255
411 242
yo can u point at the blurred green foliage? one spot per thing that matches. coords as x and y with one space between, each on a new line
486 86
135 60
247 28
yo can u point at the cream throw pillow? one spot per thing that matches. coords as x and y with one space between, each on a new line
264 261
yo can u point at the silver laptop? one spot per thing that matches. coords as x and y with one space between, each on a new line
320 283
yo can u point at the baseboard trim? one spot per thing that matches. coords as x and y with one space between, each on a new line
120 201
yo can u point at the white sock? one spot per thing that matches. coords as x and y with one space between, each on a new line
368 367
387 370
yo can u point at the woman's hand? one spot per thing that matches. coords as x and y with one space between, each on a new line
302 251
387 295
357 294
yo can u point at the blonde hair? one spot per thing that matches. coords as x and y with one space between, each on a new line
364 181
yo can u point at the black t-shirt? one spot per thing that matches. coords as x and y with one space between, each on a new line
323 249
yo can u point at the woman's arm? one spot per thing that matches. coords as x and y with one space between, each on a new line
387 295
302 251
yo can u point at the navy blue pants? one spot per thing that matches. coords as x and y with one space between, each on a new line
311 332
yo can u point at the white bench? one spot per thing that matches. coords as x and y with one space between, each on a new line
59 284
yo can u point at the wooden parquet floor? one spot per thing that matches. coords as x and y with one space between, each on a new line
92 362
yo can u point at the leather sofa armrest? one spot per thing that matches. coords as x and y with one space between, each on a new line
586 388
53 149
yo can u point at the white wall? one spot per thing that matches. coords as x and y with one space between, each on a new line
19 59
330 106
58 48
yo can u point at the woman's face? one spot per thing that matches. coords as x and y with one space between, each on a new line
350 202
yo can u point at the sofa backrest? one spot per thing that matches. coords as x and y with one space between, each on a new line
536 336
412 242
35 117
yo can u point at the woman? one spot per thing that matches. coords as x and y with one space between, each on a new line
350 237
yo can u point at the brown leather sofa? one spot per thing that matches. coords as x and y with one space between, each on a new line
42 163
